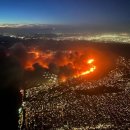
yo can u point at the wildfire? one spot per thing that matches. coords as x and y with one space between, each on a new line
63 65
92 68
35 53
63 79
90 61
36 56
88 71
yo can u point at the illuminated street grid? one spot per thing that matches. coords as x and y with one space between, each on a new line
60 106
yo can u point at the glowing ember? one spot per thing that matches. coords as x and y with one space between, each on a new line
63 79
89 71
90 61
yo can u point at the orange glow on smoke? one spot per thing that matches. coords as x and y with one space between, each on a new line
81 66
35 53
35 56
29 66
63 79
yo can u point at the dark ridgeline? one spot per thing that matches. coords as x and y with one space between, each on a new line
11 74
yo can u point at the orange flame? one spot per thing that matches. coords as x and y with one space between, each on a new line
89 71
92 69
90 61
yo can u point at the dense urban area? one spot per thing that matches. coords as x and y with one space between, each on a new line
81 102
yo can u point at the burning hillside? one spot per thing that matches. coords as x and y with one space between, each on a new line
66 63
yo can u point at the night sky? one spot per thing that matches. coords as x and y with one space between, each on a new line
114 13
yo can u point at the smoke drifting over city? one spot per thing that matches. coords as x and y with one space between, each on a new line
70 62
